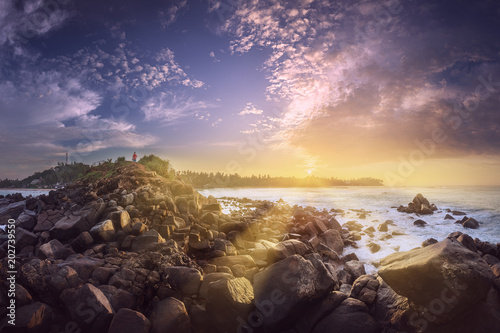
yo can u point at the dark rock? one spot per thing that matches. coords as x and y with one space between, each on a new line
355 268
69 227
26 221
35 317
467 241
428 242
82 242
184 279
390 308
449 217
103 231
471 223
121 220
447 266
52 250
312 316
351 316
11 211
83 265
148 240
89 301
228 300
169 315
365 289
209 278
129 321
24 238
290 286
456 212
333 240
23 297
286 249
420 223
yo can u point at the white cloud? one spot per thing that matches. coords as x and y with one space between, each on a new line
250 109
169 108
169 15
214 58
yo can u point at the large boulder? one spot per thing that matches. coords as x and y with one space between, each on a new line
89 308
288 287
11 211
35 317
286 249
51 250
147 240
351 316
445 276
103 231
69 227
186 280
129 321
333 240
169 315
228 300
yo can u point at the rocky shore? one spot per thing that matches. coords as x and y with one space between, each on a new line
134 252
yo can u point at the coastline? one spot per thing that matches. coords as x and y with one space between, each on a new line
147 249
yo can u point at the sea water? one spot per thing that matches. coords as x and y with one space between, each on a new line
481 203
24 192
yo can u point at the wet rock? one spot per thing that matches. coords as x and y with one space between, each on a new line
449 217
383 227
374 247
169 315
471 223
428 242
129 321
355 268
457 212
444 267
420 223
290 286
467 241
228 300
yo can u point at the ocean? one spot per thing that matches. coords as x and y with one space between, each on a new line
481 203
24 192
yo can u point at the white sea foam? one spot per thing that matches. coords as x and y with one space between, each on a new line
481 203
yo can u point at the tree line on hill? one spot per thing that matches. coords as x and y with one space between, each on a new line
63 174
205 179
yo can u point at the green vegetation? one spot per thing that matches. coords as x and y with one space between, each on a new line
204 179
61 174
120 159
160 166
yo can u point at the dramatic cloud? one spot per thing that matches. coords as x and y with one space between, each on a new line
368 72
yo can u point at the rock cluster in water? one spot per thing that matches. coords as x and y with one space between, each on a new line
136 253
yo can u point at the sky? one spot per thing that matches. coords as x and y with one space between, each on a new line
402 90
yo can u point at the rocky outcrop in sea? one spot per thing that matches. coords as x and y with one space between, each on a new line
134 252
